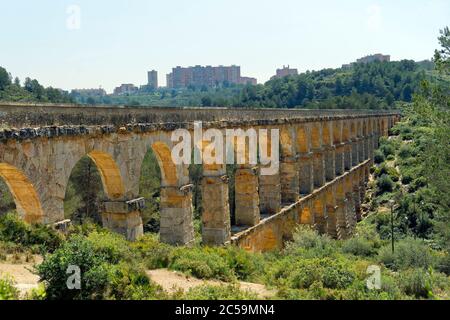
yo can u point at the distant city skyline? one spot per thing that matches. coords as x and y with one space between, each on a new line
92 44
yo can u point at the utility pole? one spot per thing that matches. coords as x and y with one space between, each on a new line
391 202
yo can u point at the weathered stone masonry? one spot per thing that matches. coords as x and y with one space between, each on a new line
324 161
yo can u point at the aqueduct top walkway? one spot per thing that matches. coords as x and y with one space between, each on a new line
324 162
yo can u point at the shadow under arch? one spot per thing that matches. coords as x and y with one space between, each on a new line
109 173
168 168
175 202
94 178
25 196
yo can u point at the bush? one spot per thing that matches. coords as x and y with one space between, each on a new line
408 253
405 151
7 289
154 253
112 246
211 292
387 170
417 283
406 178
203 263
13 229
385 184
129 282
387 149
418 183
358 246
307 242
78 252
246 266
378 157
302 273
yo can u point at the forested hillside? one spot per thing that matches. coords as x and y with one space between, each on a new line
31 90
376 85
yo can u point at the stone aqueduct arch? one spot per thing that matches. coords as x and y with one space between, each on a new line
323 170
27 201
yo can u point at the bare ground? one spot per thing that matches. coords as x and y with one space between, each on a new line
172 281
25 280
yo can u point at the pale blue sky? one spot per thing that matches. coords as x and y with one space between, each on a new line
118 40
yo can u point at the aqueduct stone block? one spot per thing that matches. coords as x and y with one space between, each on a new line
247 196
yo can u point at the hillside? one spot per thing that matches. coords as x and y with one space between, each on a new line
377 85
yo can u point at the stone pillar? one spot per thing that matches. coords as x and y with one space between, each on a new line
348 156
329 150
361 150
177 226
269 193
320 213
124 217
341 205
289 177
246 196
331 207
306 173
367 142
319 167
305 213
340 159
350 212
377 134
362 190
216 209
355 152
330 163
356 195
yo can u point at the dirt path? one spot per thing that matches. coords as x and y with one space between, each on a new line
24 278
171 281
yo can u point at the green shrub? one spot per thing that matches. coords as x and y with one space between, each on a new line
358 246
112 246
38 293
7 289
129 282
385 184
154 253
407 178
359 291
384 169
302 273
77 251
418 183
378 157
444 263
211 292
245 265
408 253
417 283
405 151
203 263
14 229
387 149
307 242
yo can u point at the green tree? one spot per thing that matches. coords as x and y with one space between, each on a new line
5 78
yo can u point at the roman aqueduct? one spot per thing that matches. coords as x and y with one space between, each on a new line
325 158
